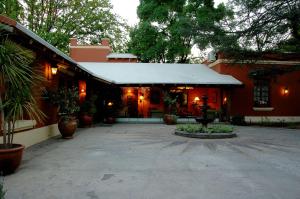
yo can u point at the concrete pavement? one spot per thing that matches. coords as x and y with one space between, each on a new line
146 161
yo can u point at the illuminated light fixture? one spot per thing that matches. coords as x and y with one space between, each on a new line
110 104
141 98
225 100
82 90
54 70
196 99
285 91
129 91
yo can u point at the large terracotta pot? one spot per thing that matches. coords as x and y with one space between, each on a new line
170 119
67 126
10 158
86 120
109 120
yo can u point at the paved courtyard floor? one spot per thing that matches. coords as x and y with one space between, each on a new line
146 161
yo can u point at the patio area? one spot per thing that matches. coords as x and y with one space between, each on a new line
136 161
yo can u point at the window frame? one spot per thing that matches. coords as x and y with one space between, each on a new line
259 86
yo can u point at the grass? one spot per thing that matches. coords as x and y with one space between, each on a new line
198 128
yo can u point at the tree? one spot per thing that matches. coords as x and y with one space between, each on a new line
58 20
17 76
264 25
168 29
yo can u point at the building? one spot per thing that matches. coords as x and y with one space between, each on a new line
143 84
136 90
270 89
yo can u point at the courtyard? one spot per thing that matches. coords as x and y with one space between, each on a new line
136 161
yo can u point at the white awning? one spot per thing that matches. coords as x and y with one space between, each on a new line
156 73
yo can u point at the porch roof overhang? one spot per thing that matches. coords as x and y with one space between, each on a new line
12 24
159 74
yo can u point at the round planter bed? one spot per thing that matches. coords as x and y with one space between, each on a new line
205 135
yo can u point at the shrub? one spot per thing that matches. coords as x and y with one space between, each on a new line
198 128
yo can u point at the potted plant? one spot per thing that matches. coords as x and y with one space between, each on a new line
17 76
67 101
87 111
170 107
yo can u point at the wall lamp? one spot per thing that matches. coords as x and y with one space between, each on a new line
286 91
54 70
141 98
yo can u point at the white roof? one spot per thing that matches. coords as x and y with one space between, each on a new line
121 55
155 73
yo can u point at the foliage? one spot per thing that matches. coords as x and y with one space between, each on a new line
263 25
88 106
17 77
67 100
198 128
57 21
169 29
170 103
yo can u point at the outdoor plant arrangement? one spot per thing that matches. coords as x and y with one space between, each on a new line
87 111
170 105
17 76
66 99
200 131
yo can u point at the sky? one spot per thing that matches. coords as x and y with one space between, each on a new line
127 9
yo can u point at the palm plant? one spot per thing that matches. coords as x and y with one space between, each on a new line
17 76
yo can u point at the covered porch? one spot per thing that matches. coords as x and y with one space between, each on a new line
148 102
140 88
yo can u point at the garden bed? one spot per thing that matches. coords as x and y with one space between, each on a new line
211 132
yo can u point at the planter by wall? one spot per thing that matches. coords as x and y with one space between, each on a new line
170 119
86 120
10 159
67 127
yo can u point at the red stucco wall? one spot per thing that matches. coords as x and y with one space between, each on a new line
242 98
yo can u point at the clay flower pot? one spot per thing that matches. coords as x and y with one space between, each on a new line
170 119
10 158
86 120
67 126
109 120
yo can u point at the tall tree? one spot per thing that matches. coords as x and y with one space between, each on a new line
169 29
265 25
58 20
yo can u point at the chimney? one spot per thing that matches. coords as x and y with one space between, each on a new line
73 42
105 42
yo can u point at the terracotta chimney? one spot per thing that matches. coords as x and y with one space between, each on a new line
105 42
73 42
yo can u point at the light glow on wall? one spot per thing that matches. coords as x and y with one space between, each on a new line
196 99
224 100
82 90
285 91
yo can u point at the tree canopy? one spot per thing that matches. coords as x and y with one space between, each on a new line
169 29
264 25
58 20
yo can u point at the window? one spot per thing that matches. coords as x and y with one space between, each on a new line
261 93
